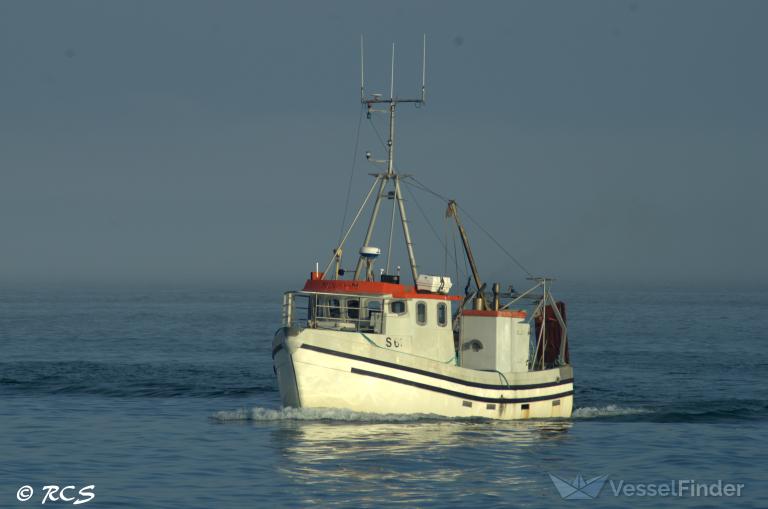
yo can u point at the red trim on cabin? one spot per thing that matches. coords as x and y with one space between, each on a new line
372 288
506 314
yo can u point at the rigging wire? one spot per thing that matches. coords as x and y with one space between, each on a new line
378 135
459 274
466 264
351 173
419 185
431 226
455 255
498 244
466 213
391 231
445 256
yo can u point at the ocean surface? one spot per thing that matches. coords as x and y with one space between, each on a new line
166 398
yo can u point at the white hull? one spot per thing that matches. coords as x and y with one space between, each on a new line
317 368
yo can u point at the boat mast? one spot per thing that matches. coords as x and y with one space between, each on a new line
390 175
452 211
406 233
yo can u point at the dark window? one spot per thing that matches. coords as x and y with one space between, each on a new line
397 307
374 308
442 315
353 309
466 403
490 406
421 313
556 402
526 406
334 309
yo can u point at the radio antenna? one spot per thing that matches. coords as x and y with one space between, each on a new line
424 69
362 69
374 104
392 75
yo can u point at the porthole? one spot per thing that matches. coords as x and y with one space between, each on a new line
442 314
421 313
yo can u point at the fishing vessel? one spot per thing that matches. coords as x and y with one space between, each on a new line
364 340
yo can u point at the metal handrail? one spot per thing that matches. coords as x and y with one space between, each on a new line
321 315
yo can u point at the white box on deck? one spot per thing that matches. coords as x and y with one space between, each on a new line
494 340
434 284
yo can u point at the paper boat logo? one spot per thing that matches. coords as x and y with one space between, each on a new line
579 489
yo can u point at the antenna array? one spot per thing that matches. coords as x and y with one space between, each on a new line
377 98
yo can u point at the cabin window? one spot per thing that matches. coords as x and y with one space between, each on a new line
397 307
421 313
374 308
312 308
371 321
442 315
334 308
353 309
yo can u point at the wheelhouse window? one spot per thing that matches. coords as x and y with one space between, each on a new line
371 316
397 307
442 314
353 309
374 308
421 313
334 308
347 313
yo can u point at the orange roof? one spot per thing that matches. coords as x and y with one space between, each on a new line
372 288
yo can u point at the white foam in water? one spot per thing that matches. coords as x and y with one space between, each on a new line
261 414
313 414
606 411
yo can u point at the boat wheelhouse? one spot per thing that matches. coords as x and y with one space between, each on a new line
395 316
369 343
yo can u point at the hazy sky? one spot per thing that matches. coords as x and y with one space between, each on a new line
213 141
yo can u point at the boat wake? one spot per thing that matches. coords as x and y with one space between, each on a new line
591 412
609 412
693 411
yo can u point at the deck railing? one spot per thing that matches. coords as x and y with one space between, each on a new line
333 312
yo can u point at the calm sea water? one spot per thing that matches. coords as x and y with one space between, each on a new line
166 398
